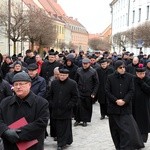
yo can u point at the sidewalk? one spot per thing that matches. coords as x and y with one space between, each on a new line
95 136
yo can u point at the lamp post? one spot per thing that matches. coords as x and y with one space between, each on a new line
9 21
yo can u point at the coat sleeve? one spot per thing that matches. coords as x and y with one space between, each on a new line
38 126
7 89
109 95
145 86
42 90
74 96
96 83
128 97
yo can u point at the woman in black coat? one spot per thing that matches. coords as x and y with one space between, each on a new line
141 101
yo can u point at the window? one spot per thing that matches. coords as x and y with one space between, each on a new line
147 17
139 14
133 16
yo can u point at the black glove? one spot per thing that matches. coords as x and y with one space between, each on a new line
11 135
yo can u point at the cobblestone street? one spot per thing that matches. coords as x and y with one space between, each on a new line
95 136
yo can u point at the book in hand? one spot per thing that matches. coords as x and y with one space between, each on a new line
23 145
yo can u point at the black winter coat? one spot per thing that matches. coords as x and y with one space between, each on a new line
102 75
63 97
72 70
5 89
87 80
47 69
119 87
141 103
34 109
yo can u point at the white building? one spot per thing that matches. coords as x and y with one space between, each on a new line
127 14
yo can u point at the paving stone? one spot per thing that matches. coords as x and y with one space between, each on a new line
96 136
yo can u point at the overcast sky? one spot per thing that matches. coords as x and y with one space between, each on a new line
93 14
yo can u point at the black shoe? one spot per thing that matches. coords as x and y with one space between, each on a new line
84 124
59 148
102 117
76 123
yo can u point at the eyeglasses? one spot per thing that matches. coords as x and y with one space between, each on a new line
122 67
20 84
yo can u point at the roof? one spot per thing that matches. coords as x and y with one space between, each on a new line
30 3
47 6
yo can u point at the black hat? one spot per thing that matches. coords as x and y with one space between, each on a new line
21 76
19 55
86 60
119 63
140 68
64 71
93 56
32 66
51 53
102 60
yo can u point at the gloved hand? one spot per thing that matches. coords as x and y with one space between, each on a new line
11 135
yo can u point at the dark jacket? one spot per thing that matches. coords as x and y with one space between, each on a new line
119 87
38 86
87 80
5 89
47 69
131 68
72 70
102 75
63 97
9 76
141 103
34 109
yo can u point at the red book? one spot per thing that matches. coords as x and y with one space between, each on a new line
24 145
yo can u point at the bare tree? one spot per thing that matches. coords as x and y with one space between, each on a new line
62 46
41 28
72 46
99 44
17 25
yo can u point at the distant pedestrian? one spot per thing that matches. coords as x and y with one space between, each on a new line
119 91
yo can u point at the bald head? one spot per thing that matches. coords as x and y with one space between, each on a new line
135 60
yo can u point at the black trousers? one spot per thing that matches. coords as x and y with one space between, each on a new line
103 109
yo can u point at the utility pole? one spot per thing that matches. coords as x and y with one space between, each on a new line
9 21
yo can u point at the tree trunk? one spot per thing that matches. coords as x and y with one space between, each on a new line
14 47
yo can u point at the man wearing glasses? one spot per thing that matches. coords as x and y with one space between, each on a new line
24 103
119 92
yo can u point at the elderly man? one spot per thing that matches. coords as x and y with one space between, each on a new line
23 104
63 97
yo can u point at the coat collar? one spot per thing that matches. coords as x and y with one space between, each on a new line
29 99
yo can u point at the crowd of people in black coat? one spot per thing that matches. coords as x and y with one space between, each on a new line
72 83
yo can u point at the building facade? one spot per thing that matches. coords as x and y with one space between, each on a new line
127 14
69 30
